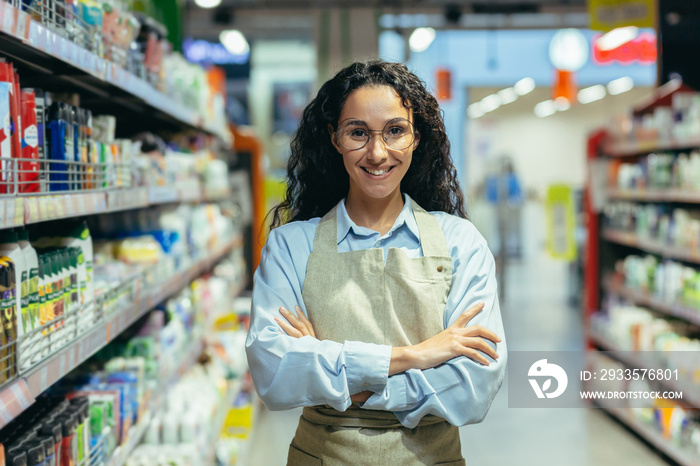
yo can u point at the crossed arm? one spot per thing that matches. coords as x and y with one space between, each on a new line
453 375
456 340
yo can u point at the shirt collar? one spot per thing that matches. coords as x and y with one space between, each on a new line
405 218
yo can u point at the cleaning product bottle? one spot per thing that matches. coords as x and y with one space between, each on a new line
43 309
56 291
40 103
28 172
30 300
6 308
60 145
79 236
51 288
55 431
10 247
73 272
5 139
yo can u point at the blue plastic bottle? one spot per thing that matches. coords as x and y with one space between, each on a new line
57 150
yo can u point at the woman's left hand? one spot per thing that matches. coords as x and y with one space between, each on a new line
296 326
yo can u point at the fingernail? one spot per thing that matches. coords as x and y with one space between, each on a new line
283 310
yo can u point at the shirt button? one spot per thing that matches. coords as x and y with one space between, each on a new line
439 268
365 384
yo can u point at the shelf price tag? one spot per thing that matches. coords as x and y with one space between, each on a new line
71 359
33 210
3 217
9 19
50 207
23 21
62 365
60 209
82 209
9 212
19 211
43 210
43 384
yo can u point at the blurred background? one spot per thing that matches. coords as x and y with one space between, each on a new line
575 131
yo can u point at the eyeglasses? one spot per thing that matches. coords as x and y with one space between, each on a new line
398 134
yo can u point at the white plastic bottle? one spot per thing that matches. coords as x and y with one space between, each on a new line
79 236
10 247
32 300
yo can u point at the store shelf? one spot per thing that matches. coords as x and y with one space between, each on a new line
691 394
634 148
122 453
18 211
654 247
642 298
651 435
20 394
233 391
660 195
46 55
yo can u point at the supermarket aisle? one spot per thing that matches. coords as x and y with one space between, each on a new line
536 317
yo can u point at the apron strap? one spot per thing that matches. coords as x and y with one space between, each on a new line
326 237
432 239
431 236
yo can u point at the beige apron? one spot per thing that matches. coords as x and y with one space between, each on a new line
354 296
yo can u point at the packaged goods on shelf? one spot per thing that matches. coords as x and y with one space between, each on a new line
669 281
101 410
64 149
659 171
676 422
674 227
130 40
660 124
633 328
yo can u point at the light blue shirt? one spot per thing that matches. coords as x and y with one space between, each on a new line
290 372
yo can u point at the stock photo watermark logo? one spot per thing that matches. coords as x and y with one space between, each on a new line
617 379
547 372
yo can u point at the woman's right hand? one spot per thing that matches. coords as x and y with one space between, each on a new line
456 340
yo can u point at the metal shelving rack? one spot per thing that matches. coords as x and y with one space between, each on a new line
20 393
45 56
49 59
601 146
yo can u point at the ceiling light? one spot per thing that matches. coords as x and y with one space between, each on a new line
420 39
562 104
234 41
591 94
617 37
508 96
545 109
620 85
524 86
490 103
475 111
207 3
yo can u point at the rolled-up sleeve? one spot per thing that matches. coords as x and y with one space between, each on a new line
290 372
460 390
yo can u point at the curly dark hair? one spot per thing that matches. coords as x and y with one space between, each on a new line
316 177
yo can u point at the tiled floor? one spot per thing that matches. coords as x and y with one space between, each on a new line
536 317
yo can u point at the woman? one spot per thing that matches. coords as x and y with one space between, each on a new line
395 336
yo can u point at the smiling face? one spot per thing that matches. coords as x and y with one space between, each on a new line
375 170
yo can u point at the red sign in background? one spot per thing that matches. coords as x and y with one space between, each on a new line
641 50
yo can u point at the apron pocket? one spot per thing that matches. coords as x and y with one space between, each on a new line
461 462
297 457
